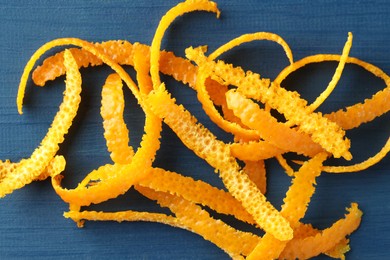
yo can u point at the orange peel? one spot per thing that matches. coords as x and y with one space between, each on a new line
202 82
128 215
294 208
166 20
328 134
325 240
257 136
352 116
200 221
115 129
217 154
270 129
197 192
29 169
119 181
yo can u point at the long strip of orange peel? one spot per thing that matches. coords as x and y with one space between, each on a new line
159 179
312 246
182 70
144 156
88 47
355 115
200 222
217 154
166 20
335 79
121 52
119 181
115 131
328 90
166 181
203 95
328 134
29 169
120 216
253 37
203 142
115 67
294 208
272 131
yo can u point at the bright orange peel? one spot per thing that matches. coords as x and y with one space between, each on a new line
244 99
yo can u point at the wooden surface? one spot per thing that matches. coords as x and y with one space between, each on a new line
31 223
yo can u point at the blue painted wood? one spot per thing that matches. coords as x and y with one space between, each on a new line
31 223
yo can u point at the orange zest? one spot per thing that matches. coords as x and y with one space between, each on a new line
115 130
239 102
217 154
293 107
28 170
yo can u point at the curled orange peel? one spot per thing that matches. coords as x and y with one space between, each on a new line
257 136
294 208
196 191
339 70
214 115
203 76
352 116
270 130
217 154
115 130
199 220
328 238
128 215
178 119
166 20
89 47
121 52
29 169
328 134
253 37
119 181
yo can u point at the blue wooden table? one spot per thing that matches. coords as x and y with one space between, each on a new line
31 222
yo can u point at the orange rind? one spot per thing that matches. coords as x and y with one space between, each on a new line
239 102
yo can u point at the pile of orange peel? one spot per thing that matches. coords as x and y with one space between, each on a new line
239 102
